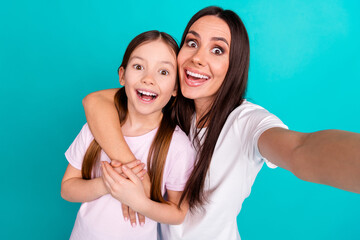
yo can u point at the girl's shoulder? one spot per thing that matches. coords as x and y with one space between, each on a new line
180 136
180 142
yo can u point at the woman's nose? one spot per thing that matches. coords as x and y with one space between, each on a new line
199 58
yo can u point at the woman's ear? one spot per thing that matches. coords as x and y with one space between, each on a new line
121 76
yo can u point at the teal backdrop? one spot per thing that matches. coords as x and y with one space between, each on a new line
304 68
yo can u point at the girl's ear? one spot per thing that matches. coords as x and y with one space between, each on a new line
121 76
174 93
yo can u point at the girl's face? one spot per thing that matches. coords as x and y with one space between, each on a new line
203 60
149 78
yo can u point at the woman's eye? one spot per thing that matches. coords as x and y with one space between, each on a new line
192 43
217 51
138 67
164 72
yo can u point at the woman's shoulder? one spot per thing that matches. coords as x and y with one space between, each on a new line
248 110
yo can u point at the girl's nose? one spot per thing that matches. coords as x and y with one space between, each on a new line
148 80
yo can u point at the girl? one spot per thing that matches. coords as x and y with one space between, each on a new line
233 136
145 109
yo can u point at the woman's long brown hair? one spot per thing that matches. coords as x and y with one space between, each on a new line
160 145
229 96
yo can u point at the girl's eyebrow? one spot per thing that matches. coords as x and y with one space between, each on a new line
213 38
164 62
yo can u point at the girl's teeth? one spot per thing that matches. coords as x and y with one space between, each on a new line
147 93
196 75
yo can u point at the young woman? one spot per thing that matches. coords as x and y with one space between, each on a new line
145 109
233 136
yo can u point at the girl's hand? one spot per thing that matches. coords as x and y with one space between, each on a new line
127 191
128 213
136 167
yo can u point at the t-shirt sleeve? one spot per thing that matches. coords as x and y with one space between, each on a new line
75 153
181 158
257 121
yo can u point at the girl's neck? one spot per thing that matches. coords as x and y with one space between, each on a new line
138 124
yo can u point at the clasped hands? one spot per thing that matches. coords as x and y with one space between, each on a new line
130 184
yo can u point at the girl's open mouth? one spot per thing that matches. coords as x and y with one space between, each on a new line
146 96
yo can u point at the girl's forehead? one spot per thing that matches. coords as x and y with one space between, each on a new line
154 51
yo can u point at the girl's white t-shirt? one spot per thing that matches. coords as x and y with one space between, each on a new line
234 165
102 218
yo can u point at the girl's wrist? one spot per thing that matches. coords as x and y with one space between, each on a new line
100 187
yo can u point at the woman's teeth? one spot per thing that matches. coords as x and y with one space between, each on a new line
196 75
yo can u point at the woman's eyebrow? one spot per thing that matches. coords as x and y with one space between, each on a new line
194 33
213 38
220 39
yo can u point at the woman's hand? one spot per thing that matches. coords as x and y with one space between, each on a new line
127 191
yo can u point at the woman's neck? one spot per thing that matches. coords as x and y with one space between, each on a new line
139 124
202 107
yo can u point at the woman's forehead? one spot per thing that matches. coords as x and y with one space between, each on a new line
211 26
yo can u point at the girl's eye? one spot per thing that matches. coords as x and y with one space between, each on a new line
138 67
164 72
217 51
191 43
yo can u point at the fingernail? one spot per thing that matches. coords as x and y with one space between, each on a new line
141 224
126 219
133 224
124 167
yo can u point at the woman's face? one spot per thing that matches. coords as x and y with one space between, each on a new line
203 60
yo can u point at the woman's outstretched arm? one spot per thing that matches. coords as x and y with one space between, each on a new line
104 124
330 157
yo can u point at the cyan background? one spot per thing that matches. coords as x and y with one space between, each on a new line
304 68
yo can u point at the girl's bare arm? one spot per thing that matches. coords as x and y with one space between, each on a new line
76 189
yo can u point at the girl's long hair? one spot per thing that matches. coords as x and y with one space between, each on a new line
229 96
160 145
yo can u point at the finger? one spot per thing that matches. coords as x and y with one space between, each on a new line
133 164
138 168
115 163
141 219
106 177
125 211
112 175
130 174
132 216
118 169
141 174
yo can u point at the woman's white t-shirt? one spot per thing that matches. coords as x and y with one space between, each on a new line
234 165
